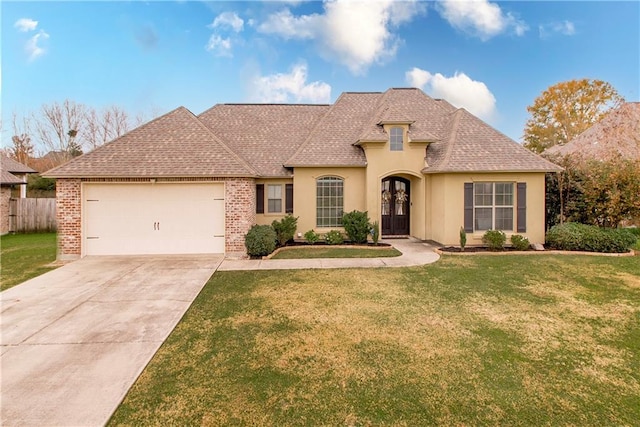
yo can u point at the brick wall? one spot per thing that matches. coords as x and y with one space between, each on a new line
69 215
240 199
5 196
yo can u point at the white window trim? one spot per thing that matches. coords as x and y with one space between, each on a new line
494 206
269 198
338 219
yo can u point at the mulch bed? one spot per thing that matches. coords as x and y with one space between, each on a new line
476 249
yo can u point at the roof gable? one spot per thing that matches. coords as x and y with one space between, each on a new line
173 145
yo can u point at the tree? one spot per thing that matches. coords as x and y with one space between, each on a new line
22 147
58 124
105 125
567 109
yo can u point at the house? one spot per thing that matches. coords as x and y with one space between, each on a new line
186 184
617 134
13 175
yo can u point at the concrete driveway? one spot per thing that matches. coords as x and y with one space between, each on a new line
75 339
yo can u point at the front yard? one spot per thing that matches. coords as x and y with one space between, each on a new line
483 340
25 256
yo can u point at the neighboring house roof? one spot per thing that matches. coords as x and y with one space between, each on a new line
265 135
8 167
174 145
263 140
471 145
618 133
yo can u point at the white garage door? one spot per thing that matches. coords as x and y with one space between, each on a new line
153 218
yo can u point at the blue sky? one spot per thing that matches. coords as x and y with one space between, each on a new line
492 58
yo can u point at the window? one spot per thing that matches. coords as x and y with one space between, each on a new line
274 198
396 138
329 202
493 206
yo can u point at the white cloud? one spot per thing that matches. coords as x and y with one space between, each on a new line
480 18
219 46
288 88
459 90
353 33
228 20
565 28
33 45
25 24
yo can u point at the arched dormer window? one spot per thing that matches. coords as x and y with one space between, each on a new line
396 138
329 201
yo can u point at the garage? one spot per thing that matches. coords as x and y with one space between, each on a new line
153 218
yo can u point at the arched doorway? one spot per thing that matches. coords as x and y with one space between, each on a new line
395 206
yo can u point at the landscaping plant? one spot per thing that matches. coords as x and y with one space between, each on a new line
463 239
334 237
494 239
311 237
356 225
375 232
260 240
285 229
573 236
520 243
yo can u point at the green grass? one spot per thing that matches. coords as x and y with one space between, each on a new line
25 256
306 252
483 340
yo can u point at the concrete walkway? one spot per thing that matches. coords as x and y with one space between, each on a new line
414 252
75 339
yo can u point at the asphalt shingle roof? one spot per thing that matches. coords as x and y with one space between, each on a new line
10 165
264 140
265 135
174 145
618 133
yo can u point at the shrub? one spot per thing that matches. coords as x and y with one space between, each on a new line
375 232
260 240
285 229
334 237
520 243
463 239
311 237
573 236
494 239
356 225
635 231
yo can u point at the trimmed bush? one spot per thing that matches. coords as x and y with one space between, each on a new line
334 237
356 225
311 237
260 240
285 229
573 236
494 239
520 243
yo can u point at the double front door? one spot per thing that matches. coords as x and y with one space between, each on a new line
395 206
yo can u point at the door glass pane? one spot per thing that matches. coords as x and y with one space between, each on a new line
401 198
386 198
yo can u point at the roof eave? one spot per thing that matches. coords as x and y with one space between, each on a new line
346 165
158 176
428 171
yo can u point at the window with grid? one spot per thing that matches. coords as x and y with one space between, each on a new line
396 138
493 206
274 198
329 201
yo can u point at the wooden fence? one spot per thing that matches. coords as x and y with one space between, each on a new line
32 215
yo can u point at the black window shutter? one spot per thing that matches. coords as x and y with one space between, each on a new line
288 197
468 207
259 198
522 207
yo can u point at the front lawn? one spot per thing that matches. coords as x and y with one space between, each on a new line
25 256
305 252
483 340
